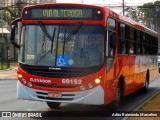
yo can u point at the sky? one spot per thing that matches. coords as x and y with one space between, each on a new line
110 2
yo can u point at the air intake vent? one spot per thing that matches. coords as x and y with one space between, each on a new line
62 73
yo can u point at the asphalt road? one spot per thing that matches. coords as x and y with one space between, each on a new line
9 102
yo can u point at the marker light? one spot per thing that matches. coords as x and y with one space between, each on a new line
24 81
97 81
20 76
29 84
82 87
90 85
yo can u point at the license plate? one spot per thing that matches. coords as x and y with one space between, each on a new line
54 94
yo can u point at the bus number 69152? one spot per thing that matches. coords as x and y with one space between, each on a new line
71 81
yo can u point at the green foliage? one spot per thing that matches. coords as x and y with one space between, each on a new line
12 12
1 23
147 14
8 14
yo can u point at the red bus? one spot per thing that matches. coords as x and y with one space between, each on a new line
84 54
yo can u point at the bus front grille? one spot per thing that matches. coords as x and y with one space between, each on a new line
62 73
55 74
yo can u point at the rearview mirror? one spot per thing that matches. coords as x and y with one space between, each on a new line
14 25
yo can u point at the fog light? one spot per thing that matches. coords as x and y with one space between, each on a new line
20 76
82 87
29 84
24 81
97 81
90 85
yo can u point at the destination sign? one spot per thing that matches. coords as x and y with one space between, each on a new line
62 12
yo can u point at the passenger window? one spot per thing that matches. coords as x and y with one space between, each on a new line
111 24
122 42
111 42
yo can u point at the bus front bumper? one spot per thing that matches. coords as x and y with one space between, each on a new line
93 96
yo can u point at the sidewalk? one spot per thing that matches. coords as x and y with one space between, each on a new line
9 74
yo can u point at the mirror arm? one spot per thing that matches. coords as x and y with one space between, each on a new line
12 37
14 22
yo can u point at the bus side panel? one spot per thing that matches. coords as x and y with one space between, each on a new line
153 68
110 90
109 84
125 73
134 73
137 72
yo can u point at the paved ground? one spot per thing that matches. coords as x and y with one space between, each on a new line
9 74
6 77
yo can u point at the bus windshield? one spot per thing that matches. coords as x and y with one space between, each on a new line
62 45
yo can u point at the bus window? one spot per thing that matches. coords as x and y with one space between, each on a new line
143 43
111 24
137 39
111 42
76 50
122 42
131 42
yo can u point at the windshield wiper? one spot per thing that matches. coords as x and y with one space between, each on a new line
53 39
64 41
50 38
72 33
38 60
44 29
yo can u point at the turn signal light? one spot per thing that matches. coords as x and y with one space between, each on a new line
20 76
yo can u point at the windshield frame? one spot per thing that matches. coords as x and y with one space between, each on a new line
68 67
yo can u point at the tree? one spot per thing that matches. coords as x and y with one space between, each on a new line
134 14
9 13
148 14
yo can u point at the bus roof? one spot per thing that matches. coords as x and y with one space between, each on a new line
120 17
65 4
137 25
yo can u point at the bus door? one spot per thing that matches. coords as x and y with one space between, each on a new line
110 56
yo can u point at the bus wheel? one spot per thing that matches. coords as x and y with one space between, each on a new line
146 84
53 105
119 95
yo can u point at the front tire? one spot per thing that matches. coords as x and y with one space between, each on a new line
119 95
53 105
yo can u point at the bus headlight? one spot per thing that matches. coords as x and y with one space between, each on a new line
90 85
24 81
97 81
29 84
82 87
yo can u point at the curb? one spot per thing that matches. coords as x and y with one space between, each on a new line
6 69
125 118
9 74
10 68
8 78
